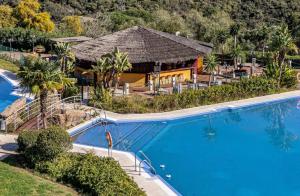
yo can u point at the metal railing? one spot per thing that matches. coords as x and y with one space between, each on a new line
58 106
153 171
28 112
144 160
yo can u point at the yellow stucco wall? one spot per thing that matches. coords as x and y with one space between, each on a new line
139 79
134 79
180 75
200 64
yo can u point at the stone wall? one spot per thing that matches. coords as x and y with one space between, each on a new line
19 103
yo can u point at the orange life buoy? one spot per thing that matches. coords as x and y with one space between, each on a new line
298 77
109 139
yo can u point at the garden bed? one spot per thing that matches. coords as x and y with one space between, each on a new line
246 88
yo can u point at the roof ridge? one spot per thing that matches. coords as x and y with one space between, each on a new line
146 51
161 35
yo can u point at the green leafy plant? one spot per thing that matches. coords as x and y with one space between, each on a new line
49 144
27 139
41 77
92 174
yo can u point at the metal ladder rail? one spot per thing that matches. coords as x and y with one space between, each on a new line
145 160
153 171
143 155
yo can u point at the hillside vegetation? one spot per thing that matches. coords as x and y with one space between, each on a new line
216 21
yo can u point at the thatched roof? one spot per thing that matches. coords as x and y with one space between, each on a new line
143 45
71 39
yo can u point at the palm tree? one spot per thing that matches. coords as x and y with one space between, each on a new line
234 31
41 77
222 37
211 64
65 56
120 64
102 74
108 69
282 43
236 53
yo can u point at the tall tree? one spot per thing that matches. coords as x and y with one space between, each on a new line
281 43
41 77
234 31
72 24
29 16
211 64
6 17
222 37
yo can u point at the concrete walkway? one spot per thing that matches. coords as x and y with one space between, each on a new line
8 145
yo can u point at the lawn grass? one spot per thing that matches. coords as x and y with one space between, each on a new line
17 181
8 66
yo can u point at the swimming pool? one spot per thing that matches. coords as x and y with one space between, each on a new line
253 150
5 94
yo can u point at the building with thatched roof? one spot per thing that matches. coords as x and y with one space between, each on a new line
178 56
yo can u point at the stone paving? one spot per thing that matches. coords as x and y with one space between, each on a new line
8 145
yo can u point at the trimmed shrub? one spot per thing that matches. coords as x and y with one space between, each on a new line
61 168
49 143
27 139
91 174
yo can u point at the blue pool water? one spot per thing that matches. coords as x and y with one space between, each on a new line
252 151
5 94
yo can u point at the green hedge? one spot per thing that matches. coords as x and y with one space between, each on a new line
27 139
246 88
91 174
45 151
44 145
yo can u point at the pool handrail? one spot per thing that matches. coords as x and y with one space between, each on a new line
153 171
145 160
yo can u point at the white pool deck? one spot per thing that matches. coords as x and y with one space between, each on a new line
153 185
